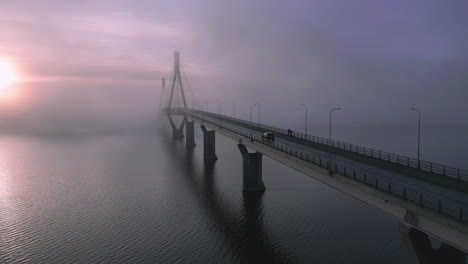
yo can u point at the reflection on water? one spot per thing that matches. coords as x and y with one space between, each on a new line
243 232
144 198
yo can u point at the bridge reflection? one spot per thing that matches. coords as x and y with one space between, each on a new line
243 231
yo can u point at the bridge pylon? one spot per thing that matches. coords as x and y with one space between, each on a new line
177 79
162 99
209 144
251 170
422 252
178 133
190 132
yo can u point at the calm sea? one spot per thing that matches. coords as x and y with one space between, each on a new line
142 198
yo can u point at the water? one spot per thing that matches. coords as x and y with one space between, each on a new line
141 198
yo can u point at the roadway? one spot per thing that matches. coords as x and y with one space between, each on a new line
449 196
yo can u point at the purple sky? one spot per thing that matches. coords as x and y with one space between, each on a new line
91 61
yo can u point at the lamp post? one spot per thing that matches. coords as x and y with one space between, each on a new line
220 111
233 109
305 108
251 122
258 113
419 134
205 103
330 137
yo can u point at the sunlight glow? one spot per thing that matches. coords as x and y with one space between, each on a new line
7 74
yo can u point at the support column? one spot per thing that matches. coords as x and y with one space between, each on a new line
421 251
251 170
190 134
209 146
177 133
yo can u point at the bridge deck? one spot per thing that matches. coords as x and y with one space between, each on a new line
451 201
429 201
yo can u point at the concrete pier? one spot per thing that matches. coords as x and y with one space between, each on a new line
190 134
422 252
449 226
177 133
251 170
209 144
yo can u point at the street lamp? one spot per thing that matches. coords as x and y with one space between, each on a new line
220 111
305 108
258 113
233 109
251 122
419 134
330 137
220 107
205 103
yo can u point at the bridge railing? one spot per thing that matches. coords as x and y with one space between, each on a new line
421 198
387 156
427 166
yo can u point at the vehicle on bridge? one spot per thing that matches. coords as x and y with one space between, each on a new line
268 136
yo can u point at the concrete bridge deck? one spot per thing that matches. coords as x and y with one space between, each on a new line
362 166
427 198
440 175
430 208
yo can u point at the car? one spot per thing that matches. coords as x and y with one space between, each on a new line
268 136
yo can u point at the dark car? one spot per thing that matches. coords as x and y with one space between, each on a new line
268 136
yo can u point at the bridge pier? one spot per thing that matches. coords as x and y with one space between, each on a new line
209 144
421 251
251 170
177 133
190 134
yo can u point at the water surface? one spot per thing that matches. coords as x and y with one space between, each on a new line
142 198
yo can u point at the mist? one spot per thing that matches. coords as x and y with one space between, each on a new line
90 66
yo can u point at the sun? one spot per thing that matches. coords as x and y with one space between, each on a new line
7 75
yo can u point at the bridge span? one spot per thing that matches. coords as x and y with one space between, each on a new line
423 207
426 198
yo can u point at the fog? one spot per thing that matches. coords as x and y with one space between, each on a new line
88 66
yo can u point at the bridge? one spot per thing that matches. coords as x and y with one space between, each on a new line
427 198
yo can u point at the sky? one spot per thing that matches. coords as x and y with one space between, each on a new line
86 64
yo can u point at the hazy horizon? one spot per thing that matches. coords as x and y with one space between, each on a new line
100 64
92 169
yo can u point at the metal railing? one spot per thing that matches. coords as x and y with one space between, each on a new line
427 166
436 203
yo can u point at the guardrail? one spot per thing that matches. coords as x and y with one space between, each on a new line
427 166
424 199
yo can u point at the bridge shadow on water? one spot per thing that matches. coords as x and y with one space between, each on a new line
242 231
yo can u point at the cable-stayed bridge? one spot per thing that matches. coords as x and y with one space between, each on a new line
427 198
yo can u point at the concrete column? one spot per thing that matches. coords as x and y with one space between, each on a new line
251 170
190 134
421 251
209 144
177 133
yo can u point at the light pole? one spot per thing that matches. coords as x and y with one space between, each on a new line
258 113
233 109
251 122
305 108
220 111
330 136
419 134
205 103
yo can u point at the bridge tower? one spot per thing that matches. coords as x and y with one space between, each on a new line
177 79
162 100
178 132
